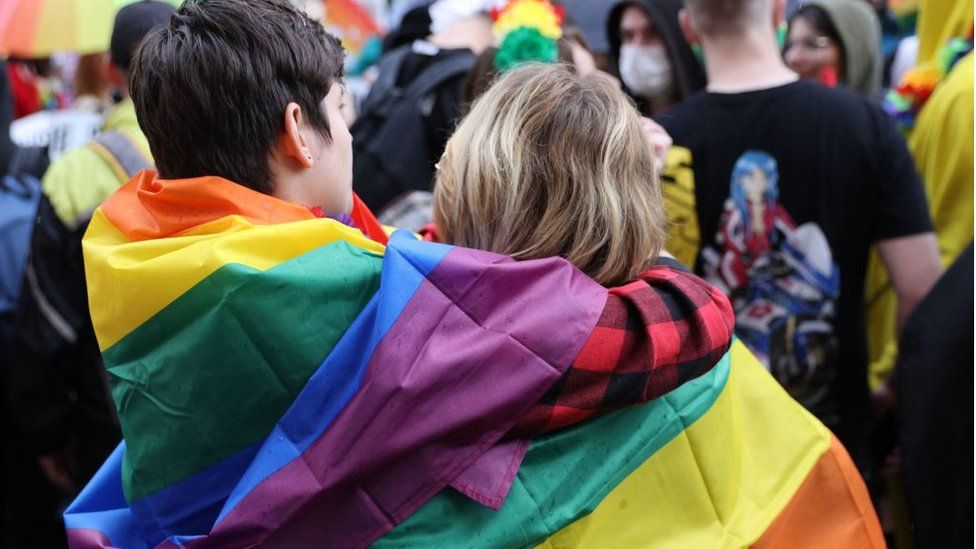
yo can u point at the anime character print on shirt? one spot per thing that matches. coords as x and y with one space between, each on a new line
782 280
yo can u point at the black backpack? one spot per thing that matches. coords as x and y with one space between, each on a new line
391 153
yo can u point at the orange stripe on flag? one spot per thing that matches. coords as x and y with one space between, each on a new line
147 207
817 517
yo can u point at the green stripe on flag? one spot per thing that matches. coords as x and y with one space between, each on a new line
213 372
564 476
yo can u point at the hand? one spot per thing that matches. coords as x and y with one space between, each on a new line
659 140
57 468
883 400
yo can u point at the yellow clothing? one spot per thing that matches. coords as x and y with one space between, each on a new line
678 189
940 21
77 182
942 145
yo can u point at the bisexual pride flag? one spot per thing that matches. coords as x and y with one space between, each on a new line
286 380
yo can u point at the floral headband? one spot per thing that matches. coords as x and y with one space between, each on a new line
527 30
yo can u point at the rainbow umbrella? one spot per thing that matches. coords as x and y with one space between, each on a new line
38 28
352 22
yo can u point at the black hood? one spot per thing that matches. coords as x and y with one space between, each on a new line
687 72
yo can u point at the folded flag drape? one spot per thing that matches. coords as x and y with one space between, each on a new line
288 380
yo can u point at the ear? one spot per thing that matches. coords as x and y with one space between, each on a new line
293 141
687 27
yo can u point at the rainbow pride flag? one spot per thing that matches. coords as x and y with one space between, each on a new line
285 380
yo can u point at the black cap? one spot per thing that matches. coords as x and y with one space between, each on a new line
132 24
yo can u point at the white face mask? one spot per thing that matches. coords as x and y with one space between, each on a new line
645 70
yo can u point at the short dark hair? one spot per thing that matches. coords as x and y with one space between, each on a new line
132 24
210 89
725 17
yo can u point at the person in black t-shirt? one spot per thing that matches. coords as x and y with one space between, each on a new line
792 185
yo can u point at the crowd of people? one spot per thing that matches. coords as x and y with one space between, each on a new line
637 272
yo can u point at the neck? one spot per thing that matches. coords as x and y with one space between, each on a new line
747 62
657 105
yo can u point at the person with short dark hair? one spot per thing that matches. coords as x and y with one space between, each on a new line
793 184
203 67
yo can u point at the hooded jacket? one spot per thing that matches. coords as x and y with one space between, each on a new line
860 33
687 73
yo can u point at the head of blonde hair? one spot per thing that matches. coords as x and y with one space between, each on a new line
549 163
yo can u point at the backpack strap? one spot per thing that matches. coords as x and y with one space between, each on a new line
121 154
389 69
439 72
430 78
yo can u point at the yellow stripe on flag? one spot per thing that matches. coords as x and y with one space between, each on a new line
129 282
720 483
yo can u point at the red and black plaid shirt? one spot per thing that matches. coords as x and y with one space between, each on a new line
655 333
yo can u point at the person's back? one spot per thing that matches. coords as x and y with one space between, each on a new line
82 178
59 402
793 183
414 104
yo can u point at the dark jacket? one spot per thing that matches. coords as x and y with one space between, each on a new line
56 386
687 73
935 384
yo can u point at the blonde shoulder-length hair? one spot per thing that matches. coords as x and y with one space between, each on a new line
548 163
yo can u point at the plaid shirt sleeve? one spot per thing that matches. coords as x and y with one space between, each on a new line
654 334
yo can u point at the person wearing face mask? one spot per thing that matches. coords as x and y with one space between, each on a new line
647 50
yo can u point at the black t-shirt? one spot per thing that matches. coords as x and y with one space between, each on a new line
841 165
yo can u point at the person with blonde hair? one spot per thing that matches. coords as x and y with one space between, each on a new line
549 162
557 166
531 174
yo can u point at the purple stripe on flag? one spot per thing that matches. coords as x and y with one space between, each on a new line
482 340
488 479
